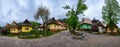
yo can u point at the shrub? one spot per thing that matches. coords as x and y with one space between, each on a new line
11 35
35 34
46 33
119 31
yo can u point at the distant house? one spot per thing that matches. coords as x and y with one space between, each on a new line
55 25
95 24
7 26
40 27
114 30
26 26
85 24
62 25
3 31
98 26
101 27
14 28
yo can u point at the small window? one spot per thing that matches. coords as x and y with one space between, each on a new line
14 29
54 26
87 25
26 28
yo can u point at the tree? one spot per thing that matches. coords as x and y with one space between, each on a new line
64 20
72 15
43 13
111 13
35 24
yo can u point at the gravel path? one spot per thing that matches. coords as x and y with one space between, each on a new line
62 39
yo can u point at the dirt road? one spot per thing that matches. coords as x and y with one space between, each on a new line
62 39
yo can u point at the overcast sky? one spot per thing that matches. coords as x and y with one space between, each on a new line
19 10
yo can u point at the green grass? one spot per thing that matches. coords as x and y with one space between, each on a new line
36 34
28 37
11 35
33 34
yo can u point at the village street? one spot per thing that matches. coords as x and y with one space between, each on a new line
62 39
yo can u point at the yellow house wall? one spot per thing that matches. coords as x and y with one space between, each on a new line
115 30
24 29
14 30
54 26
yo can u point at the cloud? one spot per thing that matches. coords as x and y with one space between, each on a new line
19 10
94 9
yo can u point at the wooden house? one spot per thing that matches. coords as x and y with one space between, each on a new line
101 27
55 25
62 25
3 31
85 24
95 24
98 26
26 26
114 30
7 26
14 28
40 27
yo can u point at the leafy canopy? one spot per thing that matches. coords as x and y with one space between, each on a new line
43 13
111 12
72 13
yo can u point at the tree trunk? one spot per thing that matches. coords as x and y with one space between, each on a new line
45 28
72 30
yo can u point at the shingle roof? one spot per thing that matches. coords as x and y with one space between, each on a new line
13 25
101 24
59 22
26 23
86 20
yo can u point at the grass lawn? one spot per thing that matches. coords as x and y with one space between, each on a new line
36 34
11 35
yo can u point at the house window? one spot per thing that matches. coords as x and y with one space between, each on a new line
87 25
26 28
54 26
14 29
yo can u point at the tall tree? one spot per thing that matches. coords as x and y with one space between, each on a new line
35 24
43 13
72 15
111 13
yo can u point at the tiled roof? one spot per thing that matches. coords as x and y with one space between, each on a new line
86 20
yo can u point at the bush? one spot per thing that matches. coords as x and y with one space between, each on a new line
35 34
118 31
46 33
50 33
11 35
31 34
33 31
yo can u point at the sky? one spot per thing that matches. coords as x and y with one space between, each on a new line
19 10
